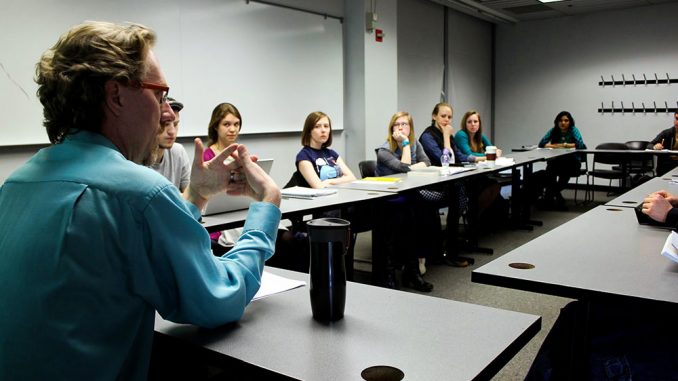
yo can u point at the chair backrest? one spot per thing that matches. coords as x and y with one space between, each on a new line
610 158
367 168
638 144
641 162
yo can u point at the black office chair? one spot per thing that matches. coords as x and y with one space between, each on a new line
367 168
642 164
612 164
361 220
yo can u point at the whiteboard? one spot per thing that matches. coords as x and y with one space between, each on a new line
276 65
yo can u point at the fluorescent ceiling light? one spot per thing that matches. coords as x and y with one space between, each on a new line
549 1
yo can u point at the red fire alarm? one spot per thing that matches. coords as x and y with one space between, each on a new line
379 35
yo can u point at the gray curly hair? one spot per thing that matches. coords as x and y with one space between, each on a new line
71 75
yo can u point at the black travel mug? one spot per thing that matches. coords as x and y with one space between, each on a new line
329 240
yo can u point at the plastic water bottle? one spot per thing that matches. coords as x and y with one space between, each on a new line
445 163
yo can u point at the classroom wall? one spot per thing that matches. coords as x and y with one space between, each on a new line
381 76
420 59
281 147
470 60
545 66
539 64
421 49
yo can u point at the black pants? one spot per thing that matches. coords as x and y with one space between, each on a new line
560 171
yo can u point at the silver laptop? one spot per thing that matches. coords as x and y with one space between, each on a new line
222 202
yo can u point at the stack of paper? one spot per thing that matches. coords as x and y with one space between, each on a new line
273 284
307 193
501 161
432 171
670 249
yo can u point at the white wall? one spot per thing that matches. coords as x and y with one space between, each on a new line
470 61
543 67
281 147
539 64
381 77
421 43
420 59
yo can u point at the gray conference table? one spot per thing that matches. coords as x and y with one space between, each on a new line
522 160
603 257
635 196
603 254
426 338
290 206
296 208
414 180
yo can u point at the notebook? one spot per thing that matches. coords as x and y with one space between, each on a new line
307 193
222 202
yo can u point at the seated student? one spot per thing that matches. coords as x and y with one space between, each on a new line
667 140
319 165
222 131
564 134
401 153
470 139
438 140
171 159
472 142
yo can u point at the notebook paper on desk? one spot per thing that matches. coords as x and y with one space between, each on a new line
307 193
273 284
438 171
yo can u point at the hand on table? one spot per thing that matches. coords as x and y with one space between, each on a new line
656 206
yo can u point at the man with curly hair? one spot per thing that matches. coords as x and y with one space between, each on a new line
93 243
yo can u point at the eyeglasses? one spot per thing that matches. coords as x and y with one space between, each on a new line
164 90
401 124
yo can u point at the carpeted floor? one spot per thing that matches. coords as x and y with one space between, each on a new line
455 283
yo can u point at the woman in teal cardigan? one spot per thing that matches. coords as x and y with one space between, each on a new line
470 139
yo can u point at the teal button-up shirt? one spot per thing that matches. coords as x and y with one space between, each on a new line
91 245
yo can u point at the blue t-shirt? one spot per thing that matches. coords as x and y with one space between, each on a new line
324 162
